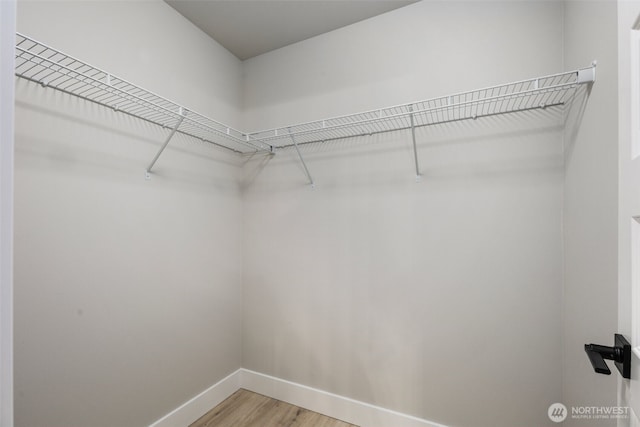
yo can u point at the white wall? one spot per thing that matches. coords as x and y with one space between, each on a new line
7 66
440 299
128 292
590 206
401 56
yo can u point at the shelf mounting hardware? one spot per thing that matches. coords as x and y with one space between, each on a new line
415 148
182 115
587 75
306 170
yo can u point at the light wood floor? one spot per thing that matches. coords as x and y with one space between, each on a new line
247 409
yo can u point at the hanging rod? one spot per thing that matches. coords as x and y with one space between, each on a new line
40 63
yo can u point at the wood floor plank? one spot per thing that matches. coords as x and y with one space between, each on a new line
247 409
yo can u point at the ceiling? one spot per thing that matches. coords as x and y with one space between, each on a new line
248 28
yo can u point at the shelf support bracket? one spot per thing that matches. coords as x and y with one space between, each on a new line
415 148
304 165
166 142
587 75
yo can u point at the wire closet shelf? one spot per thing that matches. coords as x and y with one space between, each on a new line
40 63
37 62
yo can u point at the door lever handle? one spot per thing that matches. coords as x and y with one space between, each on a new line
597 354
620 353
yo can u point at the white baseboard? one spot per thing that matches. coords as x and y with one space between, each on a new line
340 407
196 407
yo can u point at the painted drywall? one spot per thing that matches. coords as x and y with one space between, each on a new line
590 207
127 291
382 61
7 91
440 299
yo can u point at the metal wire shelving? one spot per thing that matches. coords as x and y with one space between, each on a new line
40 63
37 62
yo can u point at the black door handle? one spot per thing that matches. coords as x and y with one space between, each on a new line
620 353
597 354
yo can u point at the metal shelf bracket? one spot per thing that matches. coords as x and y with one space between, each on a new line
182 113
588 75
304 165
415 148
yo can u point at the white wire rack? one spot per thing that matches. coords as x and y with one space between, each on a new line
37 62
540 92
49 67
